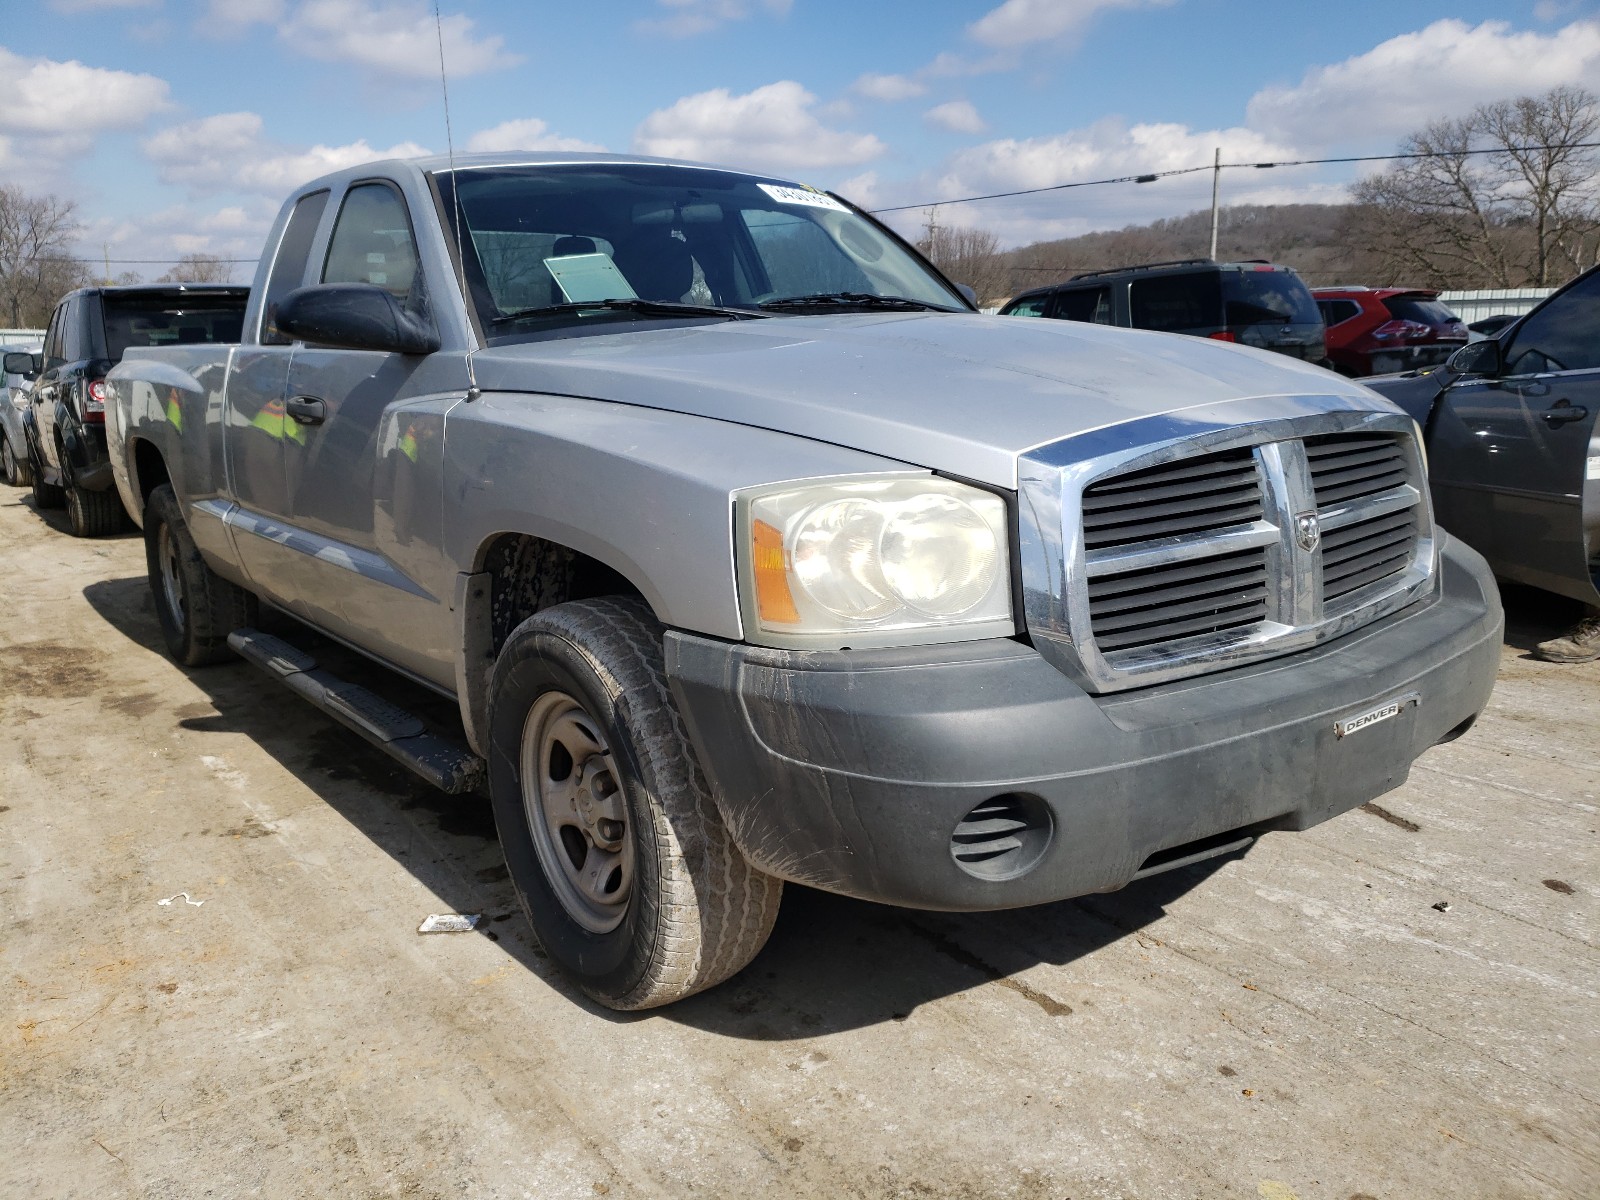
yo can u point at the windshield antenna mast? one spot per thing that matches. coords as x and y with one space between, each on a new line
455 196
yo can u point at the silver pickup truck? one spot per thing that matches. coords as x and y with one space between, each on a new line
751 553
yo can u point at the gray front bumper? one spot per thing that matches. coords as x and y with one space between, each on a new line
849 770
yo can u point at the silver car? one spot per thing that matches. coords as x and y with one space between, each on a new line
13 402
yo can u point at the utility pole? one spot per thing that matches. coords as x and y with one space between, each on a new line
106 249
1216 183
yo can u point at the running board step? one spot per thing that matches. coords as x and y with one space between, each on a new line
446 764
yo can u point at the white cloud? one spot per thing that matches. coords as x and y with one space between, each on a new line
78 6
45 97
690 18
53 112
230 18
227 153
958 116
397 39
888 87
1107 149
1018 23
772 128
1443 70
527 133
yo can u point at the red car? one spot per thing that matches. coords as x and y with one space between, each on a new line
1376 331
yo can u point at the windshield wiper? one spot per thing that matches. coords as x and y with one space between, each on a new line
654 308
854 300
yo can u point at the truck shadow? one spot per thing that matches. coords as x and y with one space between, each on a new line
832 964
1534 616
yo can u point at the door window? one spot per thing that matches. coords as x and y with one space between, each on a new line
1031 307
294 249
1562 336
52 340
1085 304
372 242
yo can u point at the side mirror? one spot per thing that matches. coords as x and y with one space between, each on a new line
966 290
20 362
353 316
1479 358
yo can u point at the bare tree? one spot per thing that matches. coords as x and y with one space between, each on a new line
969 256
36 263
1503 197
199 268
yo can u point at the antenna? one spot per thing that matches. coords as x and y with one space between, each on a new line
455 196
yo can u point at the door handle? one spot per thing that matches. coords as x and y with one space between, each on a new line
1564 411
306 410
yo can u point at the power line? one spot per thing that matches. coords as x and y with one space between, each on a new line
142 261
1152 176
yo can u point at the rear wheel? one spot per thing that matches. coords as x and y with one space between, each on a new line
94 514
17 471
197 608
628 875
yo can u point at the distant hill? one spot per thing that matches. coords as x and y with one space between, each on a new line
1320 241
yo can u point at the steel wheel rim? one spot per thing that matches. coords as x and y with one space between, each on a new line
171 581
8 460
576 812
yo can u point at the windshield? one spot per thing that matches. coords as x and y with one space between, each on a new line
1268 297
1423 309
567 238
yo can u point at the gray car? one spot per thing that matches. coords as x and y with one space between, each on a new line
750 553
1510 427
14 385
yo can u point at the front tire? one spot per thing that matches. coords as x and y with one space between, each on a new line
17 471
618 853
197 608
94 514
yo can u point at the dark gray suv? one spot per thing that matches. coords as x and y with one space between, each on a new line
1252 303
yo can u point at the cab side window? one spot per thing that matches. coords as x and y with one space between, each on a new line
372 242
1563 336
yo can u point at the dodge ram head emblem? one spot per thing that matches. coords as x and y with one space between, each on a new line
1307 531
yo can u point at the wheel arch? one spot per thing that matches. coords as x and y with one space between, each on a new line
514 575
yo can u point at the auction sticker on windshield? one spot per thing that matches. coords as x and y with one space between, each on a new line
1372 716
795 195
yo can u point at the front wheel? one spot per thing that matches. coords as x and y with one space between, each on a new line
17 471
619 855
196 607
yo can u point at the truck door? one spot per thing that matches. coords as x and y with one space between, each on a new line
1514 460
47 388
257 428
363 474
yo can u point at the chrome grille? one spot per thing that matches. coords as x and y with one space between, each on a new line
1364 541
1212 491
1159 604
1194 552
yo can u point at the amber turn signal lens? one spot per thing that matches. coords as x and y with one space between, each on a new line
774 602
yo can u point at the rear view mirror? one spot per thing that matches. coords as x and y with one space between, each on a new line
1478 358
20 362
353 316
966 291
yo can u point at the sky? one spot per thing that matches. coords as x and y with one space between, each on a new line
178 126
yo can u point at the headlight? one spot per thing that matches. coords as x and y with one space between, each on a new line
873 562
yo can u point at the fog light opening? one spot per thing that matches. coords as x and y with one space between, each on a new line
1003 837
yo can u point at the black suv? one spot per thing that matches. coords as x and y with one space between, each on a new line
65 420
1251 303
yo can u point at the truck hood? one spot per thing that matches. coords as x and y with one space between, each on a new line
959 393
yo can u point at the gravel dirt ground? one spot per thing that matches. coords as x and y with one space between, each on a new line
1302 1022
